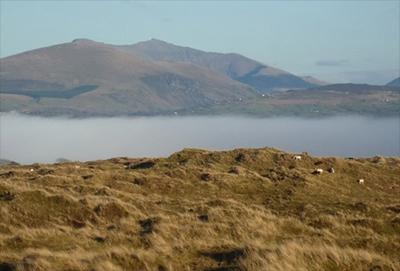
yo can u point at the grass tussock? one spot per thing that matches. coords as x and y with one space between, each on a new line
246 209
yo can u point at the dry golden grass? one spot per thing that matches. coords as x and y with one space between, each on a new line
246 209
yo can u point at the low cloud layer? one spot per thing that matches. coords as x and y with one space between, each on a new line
33 139
333 63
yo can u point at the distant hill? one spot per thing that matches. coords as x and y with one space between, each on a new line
329 100
394 83
85 77
7 162
240 68
314 81
355 88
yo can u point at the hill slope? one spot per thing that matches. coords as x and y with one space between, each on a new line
327 100
355 88
394 83
262 77
114 82
246 209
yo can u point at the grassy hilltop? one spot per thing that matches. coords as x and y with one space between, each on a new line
246 209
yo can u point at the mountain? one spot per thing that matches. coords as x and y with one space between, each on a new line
314 81
85 77
394 83
240 68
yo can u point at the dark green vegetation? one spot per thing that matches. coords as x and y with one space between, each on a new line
246 209
53 93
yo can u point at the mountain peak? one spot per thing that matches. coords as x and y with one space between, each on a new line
82 41
157 40
86 42
154 42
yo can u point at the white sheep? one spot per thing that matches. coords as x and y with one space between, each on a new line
31 170
297 157
360 181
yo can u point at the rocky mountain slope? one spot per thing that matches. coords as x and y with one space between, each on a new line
246 209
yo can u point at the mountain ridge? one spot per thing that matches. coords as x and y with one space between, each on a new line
85 78
127 83
238 67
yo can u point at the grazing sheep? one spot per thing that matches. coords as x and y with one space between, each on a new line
360 181
318 171
297 157
331 170
31 170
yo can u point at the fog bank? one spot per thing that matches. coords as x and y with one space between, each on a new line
28 139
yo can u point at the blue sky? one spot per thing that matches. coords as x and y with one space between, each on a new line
337 41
